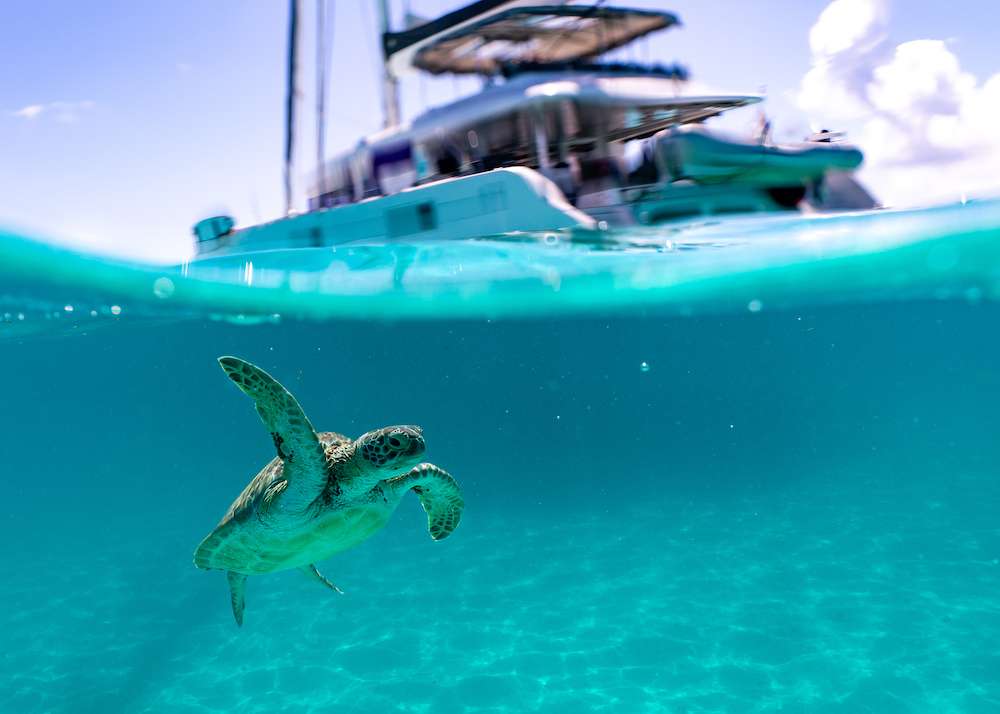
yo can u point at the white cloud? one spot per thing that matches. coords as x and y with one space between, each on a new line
29 112
65 112
853 26
923 122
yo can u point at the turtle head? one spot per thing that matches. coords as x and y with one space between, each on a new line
394 448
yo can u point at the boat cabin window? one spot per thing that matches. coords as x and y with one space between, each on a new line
640 162
448 163
393 167
337 197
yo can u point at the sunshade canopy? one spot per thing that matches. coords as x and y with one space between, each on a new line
484 42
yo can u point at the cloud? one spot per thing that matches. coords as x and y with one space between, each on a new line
849 26
29 112
923 122
65 112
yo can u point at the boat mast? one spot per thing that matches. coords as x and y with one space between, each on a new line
390 84
321 63
290 97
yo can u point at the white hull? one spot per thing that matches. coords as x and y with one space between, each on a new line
501 201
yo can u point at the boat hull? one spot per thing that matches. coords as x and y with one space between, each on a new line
500 201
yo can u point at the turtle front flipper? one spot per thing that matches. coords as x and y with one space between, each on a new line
439 495
237 586
296 441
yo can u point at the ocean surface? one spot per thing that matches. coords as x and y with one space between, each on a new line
742 465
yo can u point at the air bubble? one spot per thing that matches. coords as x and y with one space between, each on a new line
644 366
116 310
755 306
163 287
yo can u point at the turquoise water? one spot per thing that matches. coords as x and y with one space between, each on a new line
737 466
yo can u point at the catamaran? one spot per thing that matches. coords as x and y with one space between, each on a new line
559 137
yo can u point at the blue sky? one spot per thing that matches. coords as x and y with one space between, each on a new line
122 123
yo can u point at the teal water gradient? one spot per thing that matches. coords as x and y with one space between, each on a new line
792 508
706 265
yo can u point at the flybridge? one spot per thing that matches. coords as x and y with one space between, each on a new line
485 37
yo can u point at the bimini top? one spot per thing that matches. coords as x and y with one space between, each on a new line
487 42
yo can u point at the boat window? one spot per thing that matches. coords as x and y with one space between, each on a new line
640 160
393 167
448 163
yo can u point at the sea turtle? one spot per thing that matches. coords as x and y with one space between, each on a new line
323 493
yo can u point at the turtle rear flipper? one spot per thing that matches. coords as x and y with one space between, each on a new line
439 495
237 586
298 445
313 572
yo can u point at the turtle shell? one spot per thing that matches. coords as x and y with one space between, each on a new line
214 552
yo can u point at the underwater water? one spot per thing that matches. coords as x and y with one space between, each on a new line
742 466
